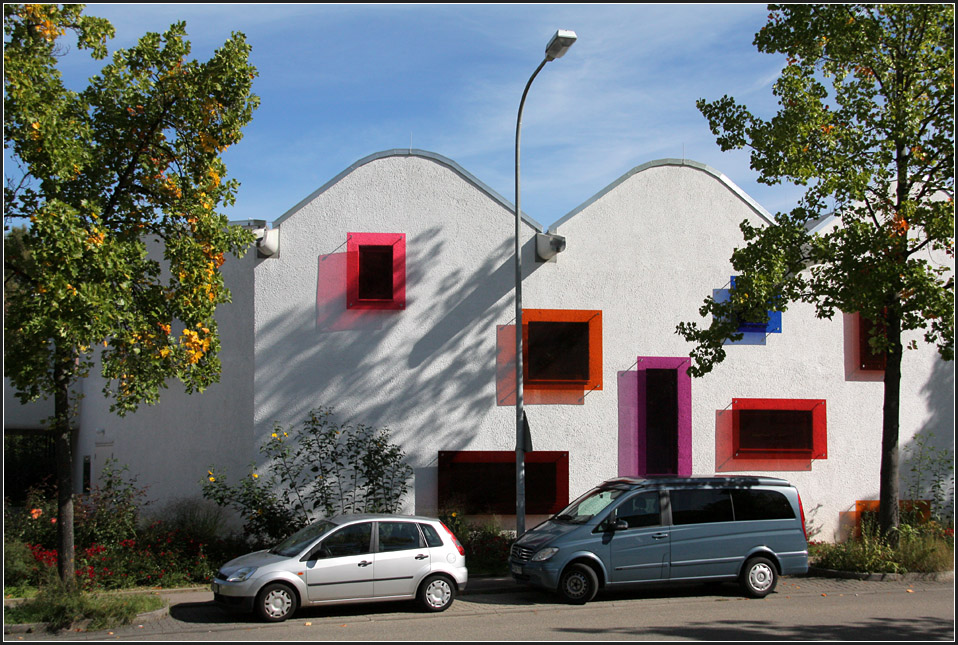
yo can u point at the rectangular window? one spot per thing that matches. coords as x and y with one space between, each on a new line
779 429
483 482
869 359
375 271
558 351
700 506
785 431
661 422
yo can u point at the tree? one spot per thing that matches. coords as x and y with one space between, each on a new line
134 158
866 124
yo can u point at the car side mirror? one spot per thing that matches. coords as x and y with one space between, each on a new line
620 525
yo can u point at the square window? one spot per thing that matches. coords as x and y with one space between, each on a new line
376 271
562 349
558 351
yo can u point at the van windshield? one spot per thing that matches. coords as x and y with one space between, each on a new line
588 506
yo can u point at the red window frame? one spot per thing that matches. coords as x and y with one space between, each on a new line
818 448
353 243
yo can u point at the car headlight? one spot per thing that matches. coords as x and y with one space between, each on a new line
544 554
241 574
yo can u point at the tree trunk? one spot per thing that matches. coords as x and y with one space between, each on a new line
63 437
888 491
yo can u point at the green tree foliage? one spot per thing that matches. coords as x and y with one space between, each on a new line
132 160
866 124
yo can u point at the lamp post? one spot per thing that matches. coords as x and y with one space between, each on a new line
557 47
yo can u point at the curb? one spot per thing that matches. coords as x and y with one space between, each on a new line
939 576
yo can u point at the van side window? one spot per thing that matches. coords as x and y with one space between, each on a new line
750 504
700 506
640 510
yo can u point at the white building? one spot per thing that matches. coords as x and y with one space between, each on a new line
426 349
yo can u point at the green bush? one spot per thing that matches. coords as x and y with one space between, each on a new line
318 470
925 547
485 544
19 566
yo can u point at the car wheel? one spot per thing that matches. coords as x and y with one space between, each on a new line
578 584
759 577
436 593
276 602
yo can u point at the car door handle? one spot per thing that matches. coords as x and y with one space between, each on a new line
421 556
364 563
659 536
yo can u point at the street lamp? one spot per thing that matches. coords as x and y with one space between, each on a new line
557 47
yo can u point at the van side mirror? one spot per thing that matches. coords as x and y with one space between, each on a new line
620 525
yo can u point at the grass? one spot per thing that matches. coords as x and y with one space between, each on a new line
60 609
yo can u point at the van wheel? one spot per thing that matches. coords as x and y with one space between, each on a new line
759 577
275 603
436 593
578 584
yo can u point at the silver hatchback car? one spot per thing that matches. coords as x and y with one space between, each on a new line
347 559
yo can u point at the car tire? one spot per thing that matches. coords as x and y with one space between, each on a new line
276 602
759 577
436 593
578 584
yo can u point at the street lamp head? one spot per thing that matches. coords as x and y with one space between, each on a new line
560 44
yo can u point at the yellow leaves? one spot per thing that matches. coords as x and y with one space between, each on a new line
899 226
209 144
43 16
164 327
96 237
196 346
35 130
214 177
827 129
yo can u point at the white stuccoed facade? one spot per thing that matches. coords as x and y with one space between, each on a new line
645 251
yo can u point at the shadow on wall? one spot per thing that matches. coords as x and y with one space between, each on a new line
427 372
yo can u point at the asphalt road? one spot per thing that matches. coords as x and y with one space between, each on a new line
801 609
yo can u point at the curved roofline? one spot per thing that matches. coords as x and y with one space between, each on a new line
412 152
751 203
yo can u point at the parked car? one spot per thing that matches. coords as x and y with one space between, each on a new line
348 559
631 531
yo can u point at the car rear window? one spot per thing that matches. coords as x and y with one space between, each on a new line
431 535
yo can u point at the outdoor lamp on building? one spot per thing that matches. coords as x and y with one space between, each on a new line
557 47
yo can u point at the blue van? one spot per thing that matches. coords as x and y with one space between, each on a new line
631 531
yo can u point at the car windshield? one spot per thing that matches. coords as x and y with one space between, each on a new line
302 538
586 507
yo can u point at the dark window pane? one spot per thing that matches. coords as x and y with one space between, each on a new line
699 506
375 272
558 351
641 510
785 430
761 505
661 422
398 536
432 536
350 540
479 484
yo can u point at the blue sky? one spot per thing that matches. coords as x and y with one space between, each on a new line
340 82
